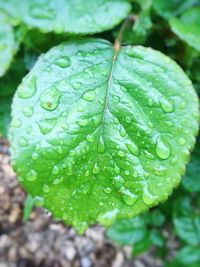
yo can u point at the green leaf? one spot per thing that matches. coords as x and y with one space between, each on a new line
188 255
7 44
187 27
5 109
187 222
72 16
157 238
107 134
156 218
171 8
8 85
142 246
191 180
128 232
28 207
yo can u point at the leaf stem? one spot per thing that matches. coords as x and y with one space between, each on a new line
130 19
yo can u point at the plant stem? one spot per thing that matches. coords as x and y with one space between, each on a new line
130 19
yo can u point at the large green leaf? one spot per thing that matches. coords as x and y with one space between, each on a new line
187 27
105 135
170 8
71 16
7 44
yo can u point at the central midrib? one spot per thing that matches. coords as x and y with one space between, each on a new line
105 108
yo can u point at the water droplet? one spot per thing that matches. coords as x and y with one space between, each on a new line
182 141
29 129
108 217
95 169
128 119
128 197
27 111
55 170
147 197
46 125
16 123
82 122
107 190
127 173
90 138
133 149
101 146
117 169
23 141
148 154
38 201
50 99
63 62
122 132
121 153
89 95
65 126
45 188
116 99
57 181
182 105
150 124
87 173
118 181
168 123
150 102
35 156
80 108
27 88
31 176
162 148
77 85
166 105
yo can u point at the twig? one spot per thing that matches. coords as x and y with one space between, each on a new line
130 19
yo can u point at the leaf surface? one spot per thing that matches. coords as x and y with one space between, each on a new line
191 180
171 8
71 16
7 44
106 135
187 27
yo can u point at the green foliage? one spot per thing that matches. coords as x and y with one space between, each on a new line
106 129
171 8
7 44
28 206
187 27
71 16
191 180
141 231
105 145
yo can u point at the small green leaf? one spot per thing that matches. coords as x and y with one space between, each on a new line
128 232
170 8
191 180
28 207
157 238
108 134
141 246
189 255
187 222
7 44
8 85
71 16
187 27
